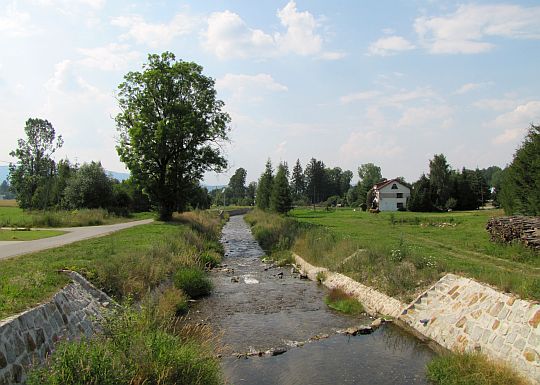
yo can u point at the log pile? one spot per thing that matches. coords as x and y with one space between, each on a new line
521 228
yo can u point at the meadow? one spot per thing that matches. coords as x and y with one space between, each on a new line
403 253
13 216
26 235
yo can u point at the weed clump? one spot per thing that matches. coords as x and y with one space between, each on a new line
471 369
338 300
193 282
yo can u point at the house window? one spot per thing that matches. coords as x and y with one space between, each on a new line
399 195
400 205
394 187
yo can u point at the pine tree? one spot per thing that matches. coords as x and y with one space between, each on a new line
264 189
521 180
280 200
298 183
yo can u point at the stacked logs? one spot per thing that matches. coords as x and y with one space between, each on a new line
521 228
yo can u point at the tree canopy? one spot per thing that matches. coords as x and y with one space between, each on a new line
521 180
170 125
31 176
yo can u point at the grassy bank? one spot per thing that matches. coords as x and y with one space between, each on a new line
471 369
124 264
143 344
12 216
402 253
25 235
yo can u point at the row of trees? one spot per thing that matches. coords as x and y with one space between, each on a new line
447 189
37 181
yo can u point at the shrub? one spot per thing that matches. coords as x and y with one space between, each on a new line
193 282
210 258
470 369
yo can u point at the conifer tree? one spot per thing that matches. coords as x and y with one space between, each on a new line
264 188
298 183
280 200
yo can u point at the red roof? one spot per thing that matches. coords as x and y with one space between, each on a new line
380 185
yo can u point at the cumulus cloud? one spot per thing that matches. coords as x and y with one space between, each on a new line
466 30
110 57
441 115
369 144
155 34
390 45
15 23
251 88
228 36
515 122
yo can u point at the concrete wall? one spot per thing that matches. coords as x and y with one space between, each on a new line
29 337
458 314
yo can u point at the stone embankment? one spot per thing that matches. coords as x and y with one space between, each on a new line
458 314
28 338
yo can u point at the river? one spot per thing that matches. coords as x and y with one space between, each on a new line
259 308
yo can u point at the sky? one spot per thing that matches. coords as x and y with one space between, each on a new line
346 82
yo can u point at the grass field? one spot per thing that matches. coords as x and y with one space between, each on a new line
24 235
449 242
13 216
126 263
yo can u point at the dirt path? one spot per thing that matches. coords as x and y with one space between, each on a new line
73 234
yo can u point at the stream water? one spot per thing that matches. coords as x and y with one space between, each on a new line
257 307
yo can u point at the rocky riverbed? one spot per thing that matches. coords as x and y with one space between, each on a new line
277 329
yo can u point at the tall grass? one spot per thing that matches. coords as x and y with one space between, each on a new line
137 347
471 369
16 217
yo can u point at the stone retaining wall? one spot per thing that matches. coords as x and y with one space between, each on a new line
458 314
373 301
29 337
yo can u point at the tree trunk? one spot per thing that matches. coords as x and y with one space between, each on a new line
165 212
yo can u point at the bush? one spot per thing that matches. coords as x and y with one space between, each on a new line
193 282
470 369
210 258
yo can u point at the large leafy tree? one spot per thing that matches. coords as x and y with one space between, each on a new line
237 186
31 176
170 125
90 187
280 199
369 175
520 192
439 178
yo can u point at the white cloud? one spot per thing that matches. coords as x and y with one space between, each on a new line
438 116
240 83
516 122
371 144
109 57
228 36
466 30
496 104
157 34
333 55
359 96
468 87
15 23
68 5
389 46
300 37
67 79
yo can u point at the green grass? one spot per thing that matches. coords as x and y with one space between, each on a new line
193 282
379 248
340 301
12 216
125 264
136 348
25 235
470 369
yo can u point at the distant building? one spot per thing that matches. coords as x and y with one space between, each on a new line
390 195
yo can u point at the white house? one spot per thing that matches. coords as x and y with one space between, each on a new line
390 195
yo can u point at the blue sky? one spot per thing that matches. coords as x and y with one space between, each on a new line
346 82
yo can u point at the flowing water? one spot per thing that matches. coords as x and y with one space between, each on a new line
259 308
